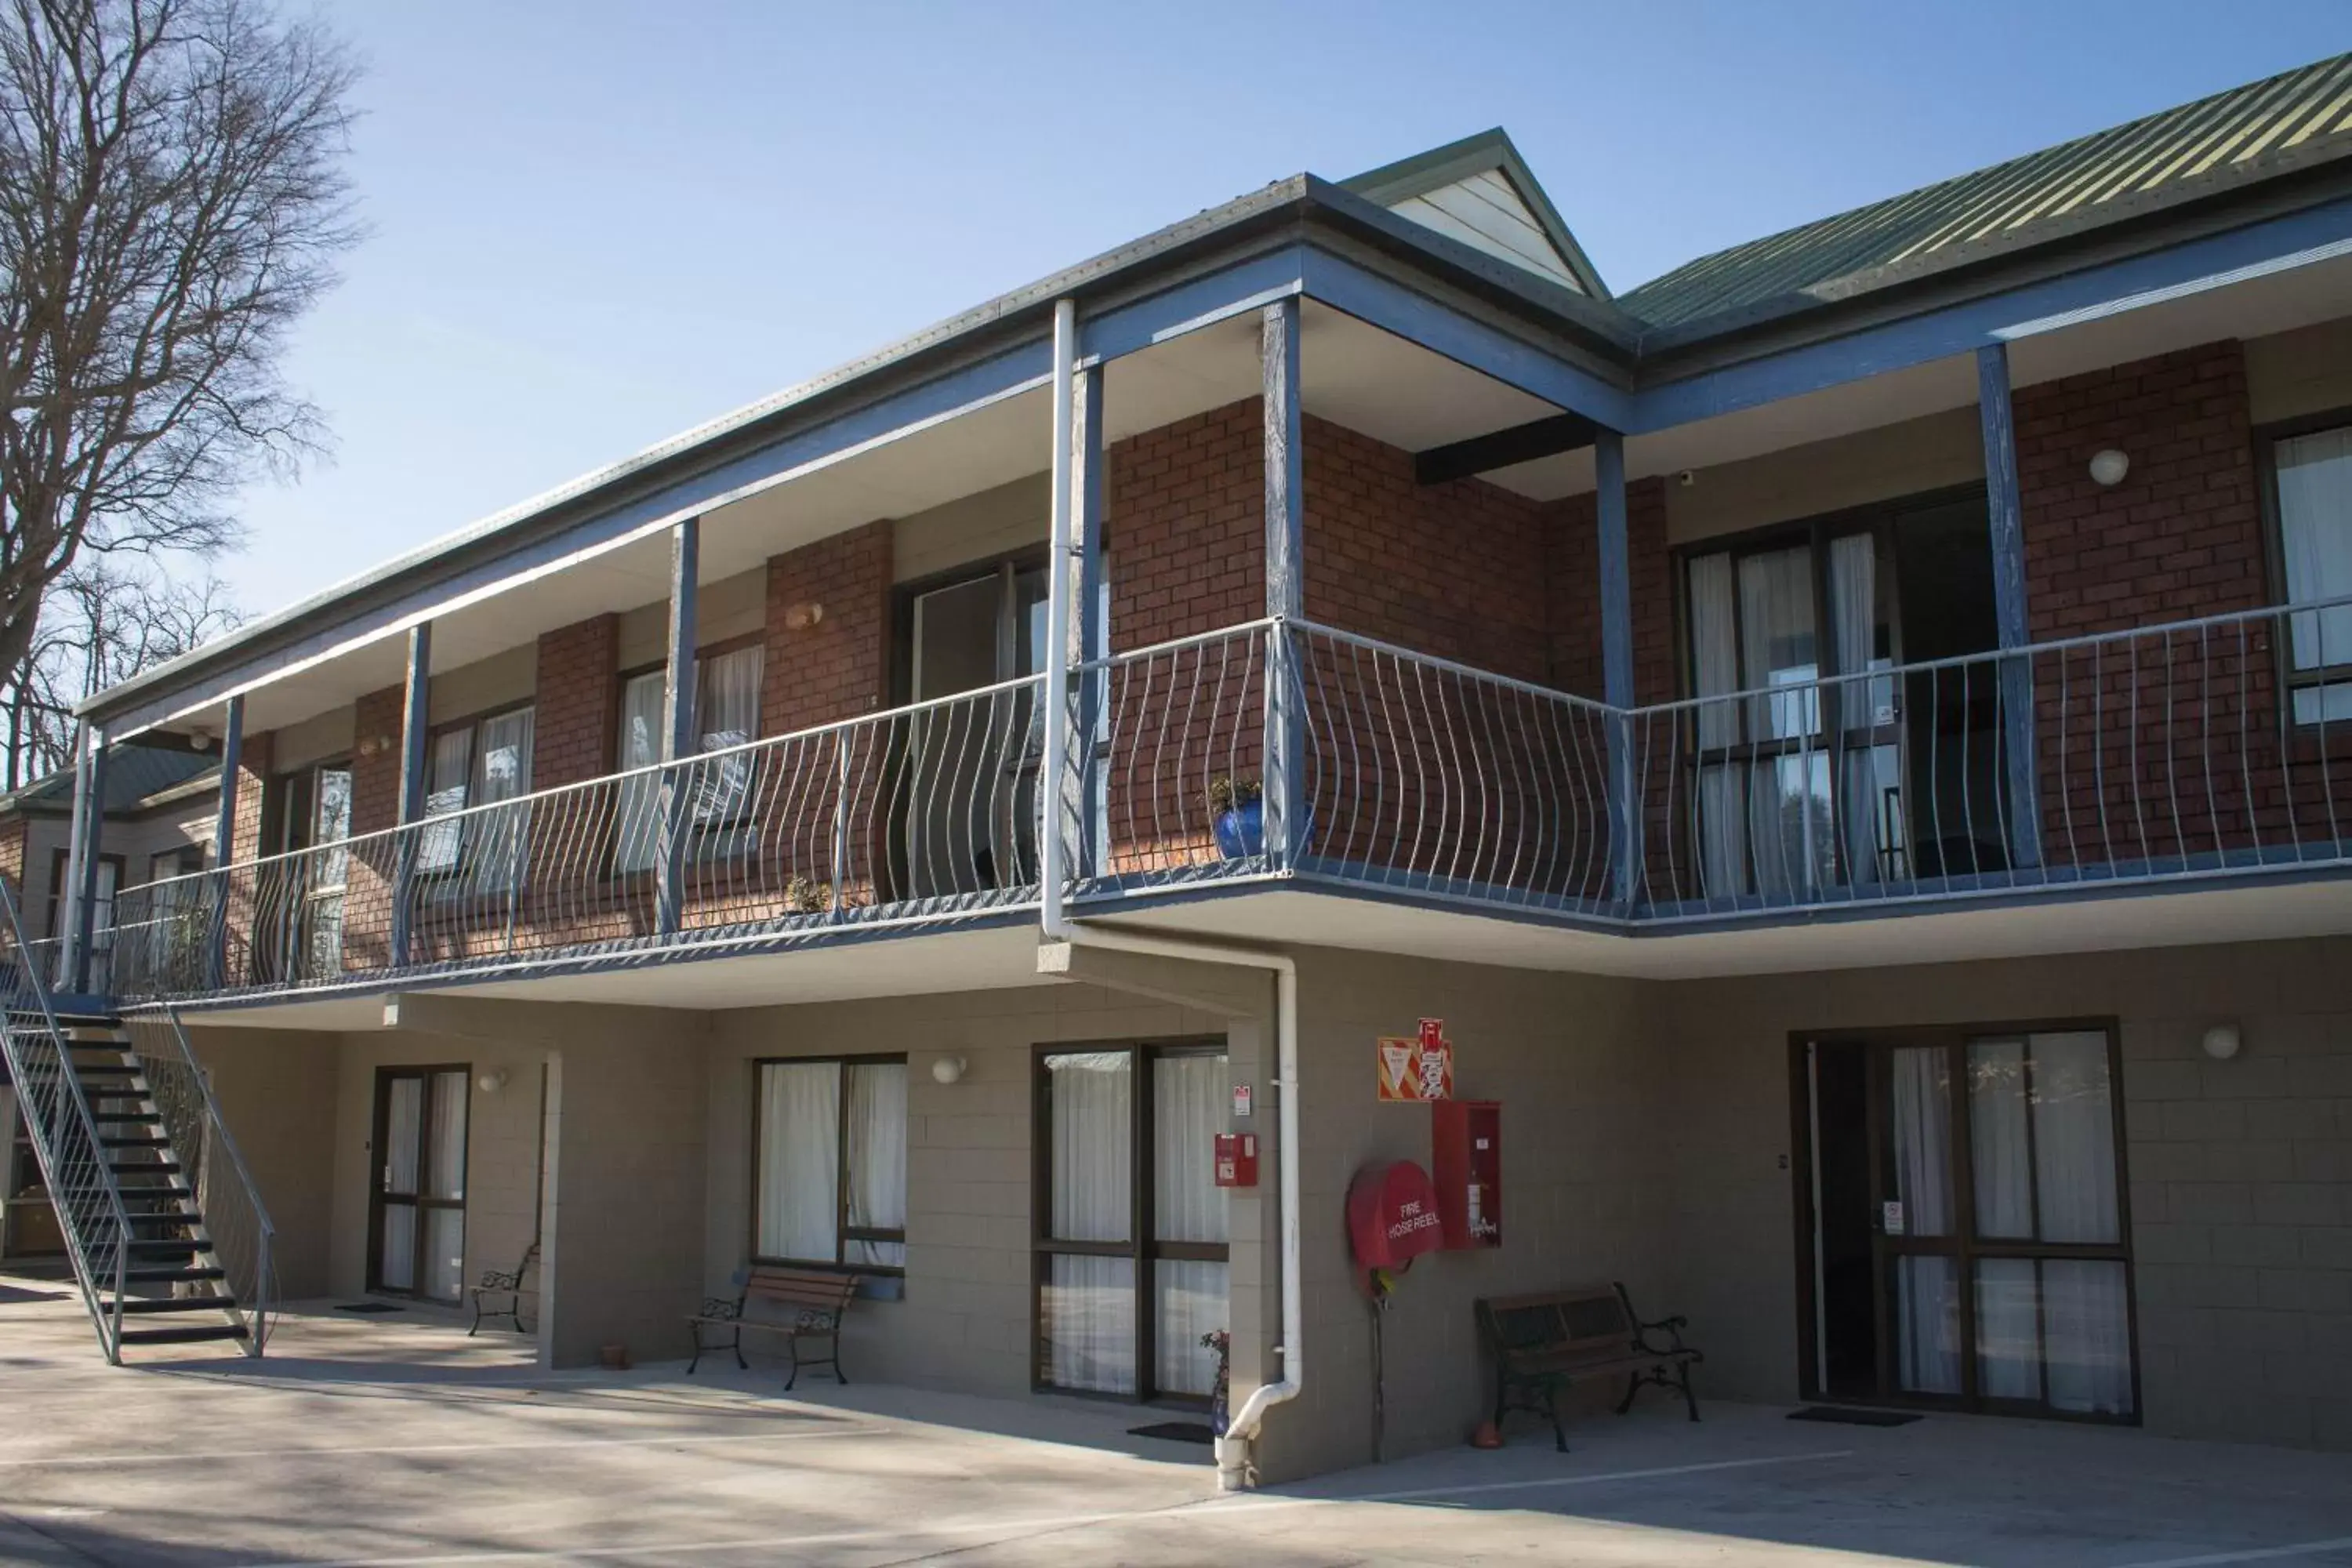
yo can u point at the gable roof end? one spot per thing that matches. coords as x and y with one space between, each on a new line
1480 192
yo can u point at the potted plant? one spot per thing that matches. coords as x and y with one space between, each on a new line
1237 816
1220 1402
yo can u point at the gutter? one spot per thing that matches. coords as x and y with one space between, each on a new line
1235 1468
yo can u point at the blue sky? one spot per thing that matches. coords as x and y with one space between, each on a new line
595 223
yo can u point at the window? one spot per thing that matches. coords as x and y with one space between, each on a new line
1131 1260
830 1136
727 714
298 932
478 762
2311 495
101 923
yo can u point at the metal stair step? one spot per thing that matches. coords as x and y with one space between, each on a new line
145 1168
174 1274
149 1306
168 1216
161 1249
190 1334
157 1195
146 1117
158 1141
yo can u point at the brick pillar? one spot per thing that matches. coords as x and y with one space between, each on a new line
375 807
827 658
245 907
576 723
2181 537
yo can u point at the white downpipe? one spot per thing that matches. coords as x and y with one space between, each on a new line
1055 926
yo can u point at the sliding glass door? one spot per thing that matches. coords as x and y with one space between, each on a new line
1131 1256
1992 1197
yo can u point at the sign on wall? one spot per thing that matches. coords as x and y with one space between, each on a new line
1418 1070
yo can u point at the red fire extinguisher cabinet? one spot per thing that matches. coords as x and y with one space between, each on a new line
1466 1161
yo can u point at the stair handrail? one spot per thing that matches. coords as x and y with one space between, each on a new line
221 1140
62 1199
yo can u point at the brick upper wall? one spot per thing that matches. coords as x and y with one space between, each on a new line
1185 527
1572 580
576 690
839 667
2181 535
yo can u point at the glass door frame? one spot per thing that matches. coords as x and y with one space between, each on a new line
379 1158
1963 1243
1142 1245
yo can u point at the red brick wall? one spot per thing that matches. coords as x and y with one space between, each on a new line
577 687
2181 536
1184 526
1572 580
839 667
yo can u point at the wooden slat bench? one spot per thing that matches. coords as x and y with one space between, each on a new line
1544 1343
811 1302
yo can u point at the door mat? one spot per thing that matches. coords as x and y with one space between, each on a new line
1175 1431
1853 1417
369 1308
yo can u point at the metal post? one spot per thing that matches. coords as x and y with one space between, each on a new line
1089 631
77 926
1052 797
1617 657
2005 520
232 763
1286 519
680 739
415 720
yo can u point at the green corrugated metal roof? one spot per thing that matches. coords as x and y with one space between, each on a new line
2246 133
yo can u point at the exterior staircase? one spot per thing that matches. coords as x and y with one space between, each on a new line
167 1236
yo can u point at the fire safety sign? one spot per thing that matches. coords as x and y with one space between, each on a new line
1419 1068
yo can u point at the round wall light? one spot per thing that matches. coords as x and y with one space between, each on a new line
947 1069
492 1082
2108 467
2224 1041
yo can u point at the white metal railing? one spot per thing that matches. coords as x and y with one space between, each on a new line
924 812
2196 749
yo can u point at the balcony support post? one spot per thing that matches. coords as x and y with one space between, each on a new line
416 721
2005 520
232 763
1286 805
1615 551
1062 645
78 926
679 740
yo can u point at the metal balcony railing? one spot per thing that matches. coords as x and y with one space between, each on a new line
2200 749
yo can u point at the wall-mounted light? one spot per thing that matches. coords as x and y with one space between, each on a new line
199 738
2108 467
492 1082
947 1069
801 617
2224 1041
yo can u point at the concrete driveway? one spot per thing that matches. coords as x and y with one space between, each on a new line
398 1441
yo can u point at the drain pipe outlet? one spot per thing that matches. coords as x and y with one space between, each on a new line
1234 1469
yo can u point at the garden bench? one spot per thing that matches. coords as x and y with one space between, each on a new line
811 1302
1544 1343
499 1285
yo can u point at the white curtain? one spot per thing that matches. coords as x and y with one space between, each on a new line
445 1165
403 1122
2314 501
727 714
1715 649
1789 822
449 771
1926 1288
800 1159
2089 1335
1998 1138
1090 1306
1188 1112
2009 1328
1722 830
2074 1138
876 1115
639 747
1861 704
496 841
1778 637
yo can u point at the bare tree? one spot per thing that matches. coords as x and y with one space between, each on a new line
100 625
171 201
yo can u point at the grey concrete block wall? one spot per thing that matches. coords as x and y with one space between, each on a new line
276 1093
2240 1170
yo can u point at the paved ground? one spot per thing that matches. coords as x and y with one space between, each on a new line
397 1441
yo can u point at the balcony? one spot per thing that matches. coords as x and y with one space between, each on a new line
1285 753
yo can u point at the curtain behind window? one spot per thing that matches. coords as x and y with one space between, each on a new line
497 841
639 747
877 1160
2314 502
449 770
1089 1302
1927 1349
1188 1112
727 714
800 1159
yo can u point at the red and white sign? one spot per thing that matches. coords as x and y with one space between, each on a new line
1419 1069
